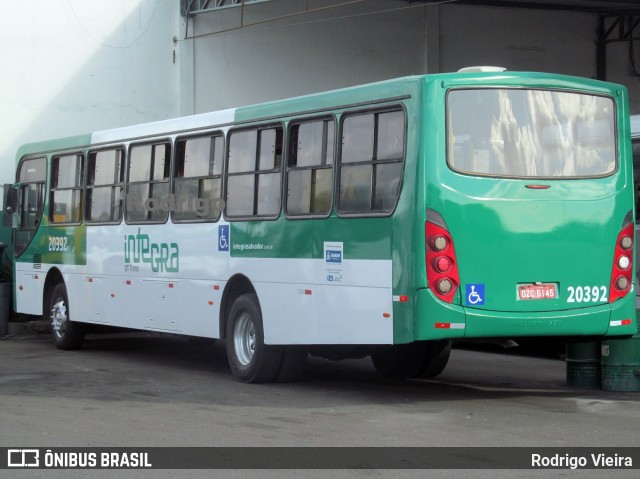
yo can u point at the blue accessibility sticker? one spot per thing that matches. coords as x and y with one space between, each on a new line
223 237
474 295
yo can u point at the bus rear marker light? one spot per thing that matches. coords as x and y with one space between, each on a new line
442 270
445 286
210 303
441 264
624 322
624 262
622 267
622 283
386 315
438 243
449 325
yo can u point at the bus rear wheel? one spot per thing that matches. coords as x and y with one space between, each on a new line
436 359
251 360
422 359
401 361
67 334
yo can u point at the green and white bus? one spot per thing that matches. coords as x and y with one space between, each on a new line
386 219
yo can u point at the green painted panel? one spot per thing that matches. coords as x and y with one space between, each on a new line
54 145
363 238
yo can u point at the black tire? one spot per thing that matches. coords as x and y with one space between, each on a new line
66 334
436 358
294 362
400 361
251 360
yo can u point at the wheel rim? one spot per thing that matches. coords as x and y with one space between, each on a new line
59 318
244 338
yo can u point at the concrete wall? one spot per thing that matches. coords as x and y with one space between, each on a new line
524 39
353 44
304 53
74 66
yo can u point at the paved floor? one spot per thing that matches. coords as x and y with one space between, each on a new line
149 390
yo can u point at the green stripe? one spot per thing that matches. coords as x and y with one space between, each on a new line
363 238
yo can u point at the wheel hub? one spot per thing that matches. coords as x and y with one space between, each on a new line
59 318
244 339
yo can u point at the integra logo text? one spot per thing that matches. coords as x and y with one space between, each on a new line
138 248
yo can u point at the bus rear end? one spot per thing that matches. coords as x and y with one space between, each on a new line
529 221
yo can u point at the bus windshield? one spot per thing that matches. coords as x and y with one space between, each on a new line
521 133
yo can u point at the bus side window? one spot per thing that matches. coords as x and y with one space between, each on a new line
105 175
253 173
198 179
66 189
148 183
371 162
32 173
310 168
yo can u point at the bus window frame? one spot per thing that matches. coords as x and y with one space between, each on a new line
333 166
151 142
20 206
51 190
280 170
614 114
338 160
217 133
123 148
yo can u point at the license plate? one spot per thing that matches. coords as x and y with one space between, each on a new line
537 291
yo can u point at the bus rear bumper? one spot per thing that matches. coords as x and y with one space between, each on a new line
437 320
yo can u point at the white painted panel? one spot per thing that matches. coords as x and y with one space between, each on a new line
353 315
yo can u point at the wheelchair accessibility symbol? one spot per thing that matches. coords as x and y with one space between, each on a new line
223 238
475 294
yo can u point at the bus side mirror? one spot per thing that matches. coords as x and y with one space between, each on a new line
9 205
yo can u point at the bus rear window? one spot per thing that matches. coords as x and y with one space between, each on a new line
519 133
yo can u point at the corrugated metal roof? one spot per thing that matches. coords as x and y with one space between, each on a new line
604 7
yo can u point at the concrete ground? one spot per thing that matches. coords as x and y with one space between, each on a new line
143 390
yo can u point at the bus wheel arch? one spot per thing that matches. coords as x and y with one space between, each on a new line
54 277
67 334
250 359
237 285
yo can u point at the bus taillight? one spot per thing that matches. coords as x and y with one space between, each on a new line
622 269
442 269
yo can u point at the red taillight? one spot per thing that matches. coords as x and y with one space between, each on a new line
622 269
442 268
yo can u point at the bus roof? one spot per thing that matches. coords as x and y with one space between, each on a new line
385 90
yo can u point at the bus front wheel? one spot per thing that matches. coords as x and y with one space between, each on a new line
67 334
251 360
